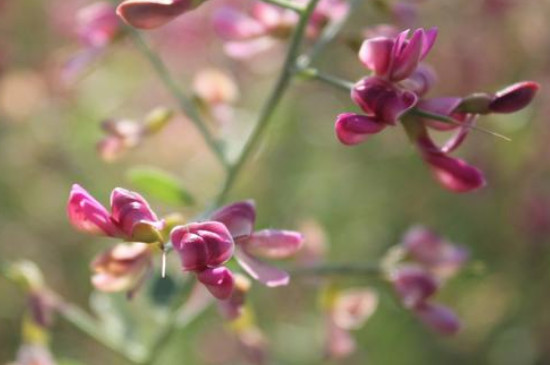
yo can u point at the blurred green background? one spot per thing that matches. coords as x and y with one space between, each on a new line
365 197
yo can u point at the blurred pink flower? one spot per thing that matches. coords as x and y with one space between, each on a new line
239 219
34 354
123 267
130 218
413 284
265 25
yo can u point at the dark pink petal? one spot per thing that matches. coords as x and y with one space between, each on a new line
88 215
455 174
134 216
383 99
219 281
376 54
514 97
273 244
149 14
231 24
439 318
202 245
429 37
409 56
413 285
264 273
458 138
352 129
238 217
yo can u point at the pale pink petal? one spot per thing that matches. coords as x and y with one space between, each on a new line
88 215
264 273
243 50
376 54
352 129
273 244
231 24
353 307
239 218
266 14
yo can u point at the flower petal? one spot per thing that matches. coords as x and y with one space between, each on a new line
383 99
442 106
149 14
231 24
407 60
455 174
264 273
514 97
376 53
242 50
219 281
352 129
274 244
239 218
88 215
439 318
429 37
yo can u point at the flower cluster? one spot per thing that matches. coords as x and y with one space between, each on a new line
266 25
399 83
203 247
432 260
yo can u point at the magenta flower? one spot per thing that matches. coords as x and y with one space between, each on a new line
413 284
150 14
130 218
433 252
203 248
514 98
439 318
239 219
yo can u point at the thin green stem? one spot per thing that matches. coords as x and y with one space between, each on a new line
313 73
286 4
272 102
185 104
344 269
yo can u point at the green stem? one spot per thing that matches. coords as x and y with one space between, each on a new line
272 102
286 4
186 105
347 269
313 73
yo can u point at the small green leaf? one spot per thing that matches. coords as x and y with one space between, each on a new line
160 185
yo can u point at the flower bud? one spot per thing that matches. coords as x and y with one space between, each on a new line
413 285
513 98
438 318
157 119
352 129
134 216
202 245
219 281
149 14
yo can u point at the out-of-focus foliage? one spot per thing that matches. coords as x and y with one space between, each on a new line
365 197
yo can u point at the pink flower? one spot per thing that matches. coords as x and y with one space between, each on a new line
123 267
203 248
347 310
150 14
202 245
413 284
97 25
265 25
130 218
397 58
239 219
433 252
438 318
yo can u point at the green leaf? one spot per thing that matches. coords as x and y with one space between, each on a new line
160 185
